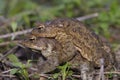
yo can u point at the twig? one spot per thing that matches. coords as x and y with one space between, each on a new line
5 75
8 42
44 75
87 17
5 72
5 43
101 74
15 33
114 72
77 76
9 52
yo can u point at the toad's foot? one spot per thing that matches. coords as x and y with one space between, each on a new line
85 72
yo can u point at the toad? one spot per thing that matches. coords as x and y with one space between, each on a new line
54 55
73 35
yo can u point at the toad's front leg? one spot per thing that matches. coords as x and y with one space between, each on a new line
48 65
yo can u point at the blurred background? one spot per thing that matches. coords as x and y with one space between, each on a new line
18 15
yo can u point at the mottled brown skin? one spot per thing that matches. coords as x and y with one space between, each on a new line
54 54
72 34
50 49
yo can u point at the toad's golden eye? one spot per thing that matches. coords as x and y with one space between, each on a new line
41 26
32 38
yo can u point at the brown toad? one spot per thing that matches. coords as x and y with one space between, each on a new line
54 54
72 35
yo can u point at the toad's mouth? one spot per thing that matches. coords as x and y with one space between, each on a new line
34 48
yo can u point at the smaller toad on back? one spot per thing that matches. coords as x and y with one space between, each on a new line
73 35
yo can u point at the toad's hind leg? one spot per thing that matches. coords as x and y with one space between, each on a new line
82 65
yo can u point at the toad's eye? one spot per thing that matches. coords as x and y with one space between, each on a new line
41 27
32 38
